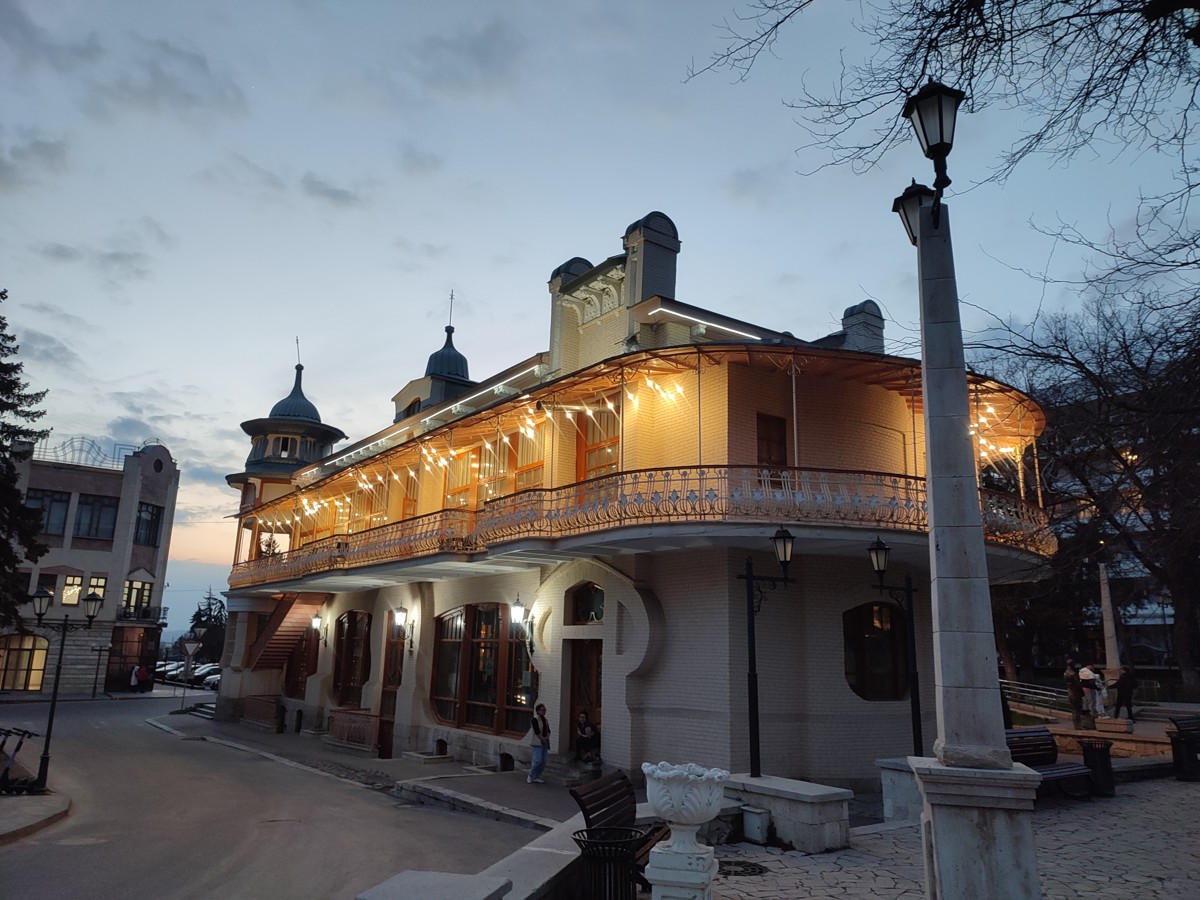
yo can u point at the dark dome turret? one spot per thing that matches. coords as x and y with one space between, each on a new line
448 362
295 405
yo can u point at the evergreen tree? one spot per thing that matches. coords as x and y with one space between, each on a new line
211 616
20 524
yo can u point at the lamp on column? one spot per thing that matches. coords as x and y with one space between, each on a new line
782 542
41 605
903 597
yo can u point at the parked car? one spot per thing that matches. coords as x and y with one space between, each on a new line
172 671
203 671
213 682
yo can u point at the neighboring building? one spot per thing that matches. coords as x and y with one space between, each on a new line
614 485
107 521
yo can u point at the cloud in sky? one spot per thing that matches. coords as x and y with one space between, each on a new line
485 57
22 162
417 161
320 189
33 46
164 77
238 174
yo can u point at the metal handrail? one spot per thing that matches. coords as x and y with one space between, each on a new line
653 496
1035 695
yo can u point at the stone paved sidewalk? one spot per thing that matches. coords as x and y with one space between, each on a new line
1143 844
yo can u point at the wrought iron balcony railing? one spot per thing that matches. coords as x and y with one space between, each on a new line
143 613
653 496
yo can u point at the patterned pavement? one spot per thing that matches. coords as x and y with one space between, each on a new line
1143 844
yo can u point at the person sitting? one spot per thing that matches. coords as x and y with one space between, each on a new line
587 738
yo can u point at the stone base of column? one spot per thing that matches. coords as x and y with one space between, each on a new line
977 831
681 876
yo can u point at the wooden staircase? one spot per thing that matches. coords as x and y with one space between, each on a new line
289 622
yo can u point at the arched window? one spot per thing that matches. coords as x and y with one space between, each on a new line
352 657
876 663
482 677
22 662
585 604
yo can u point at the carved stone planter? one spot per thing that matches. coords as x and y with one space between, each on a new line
686 797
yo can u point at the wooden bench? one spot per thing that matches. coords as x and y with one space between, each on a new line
1035 747
609 802
1184 744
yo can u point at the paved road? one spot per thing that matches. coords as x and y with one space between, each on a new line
157 816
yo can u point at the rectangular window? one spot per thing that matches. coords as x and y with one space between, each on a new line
149 525
97 584
53 505
72 589
96 517
531 456
460 476
772 440
137 594
601 433
495 470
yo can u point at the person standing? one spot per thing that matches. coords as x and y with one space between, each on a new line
1074 693
1087 678
539 742
1126 682
144 682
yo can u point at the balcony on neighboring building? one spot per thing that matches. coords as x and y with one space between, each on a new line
142 614
712 494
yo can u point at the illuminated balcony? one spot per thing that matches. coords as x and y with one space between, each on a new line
712 495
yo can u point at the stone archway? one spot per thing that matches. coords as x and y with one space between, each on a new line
633 622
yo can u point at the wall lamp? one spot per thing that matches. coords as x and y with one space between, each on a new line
321 629
518 613
400 617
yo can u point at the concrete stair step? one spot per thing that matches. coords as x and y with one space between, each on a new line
204 710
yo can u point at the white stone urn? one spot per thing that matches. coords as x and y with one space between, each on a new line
686 797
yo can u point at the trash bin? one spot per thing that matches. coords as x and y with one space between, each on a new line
1185 754
609 871
1096 757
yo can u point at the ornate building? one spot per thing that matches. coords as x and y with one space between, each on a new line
614 487
107 521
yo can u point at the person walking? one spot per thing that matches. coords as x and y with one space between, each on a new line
539 742
1126 683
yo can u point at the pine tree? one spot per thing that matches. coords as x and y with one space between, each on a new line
19 524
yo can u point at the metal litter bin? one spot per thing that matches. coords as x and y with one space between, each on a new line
609 871
1096 757
1185 754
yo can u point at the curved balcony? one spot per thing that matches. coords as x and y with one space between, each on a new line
655 496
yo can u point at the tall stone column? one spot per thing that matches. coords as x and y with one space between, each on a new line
977 826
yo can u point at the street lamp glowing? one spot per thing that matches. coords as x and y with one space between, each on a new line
933 111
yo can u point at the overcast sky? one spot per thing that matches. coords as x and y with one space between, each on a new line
190 187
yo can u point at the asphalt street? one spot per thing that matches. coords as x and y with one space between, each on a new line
157 816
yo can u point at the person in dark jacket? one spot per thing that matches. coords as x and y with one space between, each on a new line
1126 682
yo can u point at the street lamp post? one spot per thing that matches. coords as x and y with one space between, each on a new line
878 552
783 543
978 832
41 602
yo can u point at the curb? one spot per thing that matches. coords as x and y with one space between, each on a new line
426 794
56 807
